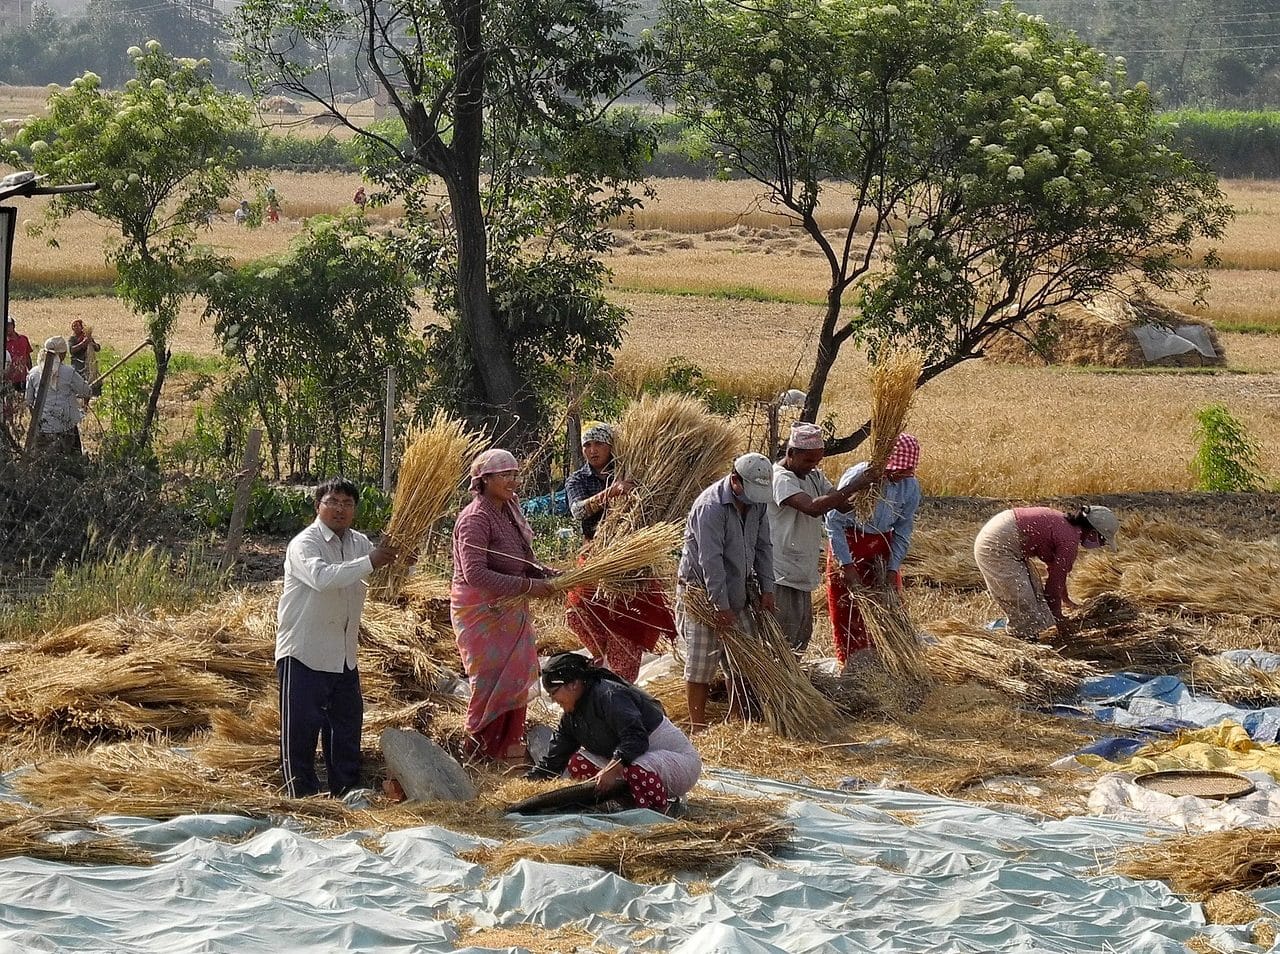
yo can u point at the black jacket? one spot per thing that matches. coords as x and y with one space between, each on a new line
610 720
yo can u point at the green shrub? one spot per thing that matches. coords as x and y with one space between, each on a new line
1226 457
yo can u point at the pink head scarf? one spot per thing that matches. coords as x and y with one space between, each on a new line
905 454
492 462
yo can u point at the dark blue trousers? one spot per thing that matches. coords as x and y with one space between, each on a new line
319 705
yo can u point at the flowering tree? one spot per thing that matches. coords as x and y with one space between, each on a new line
991 168
159 150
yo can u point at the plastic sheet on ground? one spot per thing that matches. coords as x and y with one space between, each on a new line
1226 748
872 871
1116 796
1137 701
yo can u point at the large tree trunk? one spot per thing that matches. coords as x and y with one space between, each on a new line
829 343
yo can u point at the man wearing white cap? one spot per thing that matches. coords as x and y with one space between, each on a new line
801 496
60 416
726 547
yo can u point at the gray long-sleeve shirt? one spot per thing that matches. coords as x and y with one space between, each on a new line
722 548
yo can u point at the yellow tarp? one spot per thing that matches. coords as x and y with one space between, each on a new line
1225 747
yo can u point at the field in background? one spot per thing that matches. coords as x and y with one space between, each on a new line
711 275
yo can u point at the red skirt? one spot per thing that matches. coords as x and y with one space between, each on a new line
868 550
616 629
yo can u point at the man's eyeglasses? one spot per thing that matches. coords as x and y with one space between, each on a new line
338 503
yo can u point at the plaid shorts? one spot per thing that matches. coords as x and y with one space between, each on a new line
703 651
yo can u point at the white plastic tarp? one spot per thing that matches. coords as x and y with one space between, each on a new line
938 877
1159 342
1116 796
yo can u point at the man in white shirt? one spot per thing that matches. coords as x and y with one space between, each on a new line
325 569
801 496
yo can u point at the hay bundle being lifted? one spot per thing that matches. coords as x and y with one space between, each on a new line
765 662
620 560
894 376
894 636
671 447
1030 672
1111 332
431 475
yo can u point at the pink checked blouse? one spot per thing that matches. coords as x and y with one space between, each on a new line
489 551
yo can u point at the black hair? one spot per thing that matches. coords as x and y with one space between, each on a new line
337 485
564 668
1080 520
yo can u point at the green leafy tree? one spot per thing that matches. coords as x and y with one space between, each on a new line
991 169
158 148
491 93
310 335
1227 457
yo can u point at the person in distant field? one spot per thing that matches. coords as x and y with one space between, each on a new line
802 495
1007 542
493 568
869 553
273 205
615 629
243 212
84 350
617 734
17 363
361 199
727 551
62 411
326 567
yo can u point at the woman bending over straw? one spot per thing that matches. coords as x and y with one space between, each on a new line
863 553
493 558
617 734
616 629
1005 545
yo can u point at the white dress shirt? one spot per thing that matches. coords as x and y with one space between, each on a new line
324 589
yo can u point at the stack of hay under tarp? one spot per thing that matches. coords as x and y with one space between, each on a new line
1113 333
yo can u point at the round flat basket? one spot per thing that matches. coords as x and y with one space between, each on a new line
1200 783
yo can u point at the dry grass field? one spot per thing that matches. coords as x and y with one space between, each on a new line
711 275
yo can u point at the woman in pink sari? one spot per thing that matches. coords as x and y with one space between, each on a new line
492 561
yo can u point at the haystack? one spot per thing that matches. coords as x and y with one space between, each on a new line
1200 865
1030 672
1106 332
1111 632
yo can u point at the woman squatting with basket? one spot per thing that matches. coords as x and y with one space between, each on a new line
493 566
615 628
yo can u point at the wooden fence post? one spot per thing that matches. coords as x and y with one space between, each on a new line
46 374
244 490
388 430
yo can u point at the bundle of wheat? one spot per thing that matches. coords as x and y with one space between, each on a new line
1240 685
894 377
1110 632
25 833
431 474
893 634
671 447
389 640
766 664
1200 865
657 853
1030 672
621 559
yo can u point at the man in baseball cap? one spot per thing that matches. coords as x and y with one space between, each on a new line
802 495
726 549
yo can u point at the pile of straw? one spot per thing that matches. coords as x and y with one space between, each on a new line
848 694
26 833
944 555
153 781
893 389
431 474
1030 672
1240 685
672 448
765 662
656 854
1112 633
1242 859
621 559
893 634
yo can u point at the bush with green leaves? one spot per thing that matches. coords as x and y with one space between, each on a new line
1227 456
308 336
